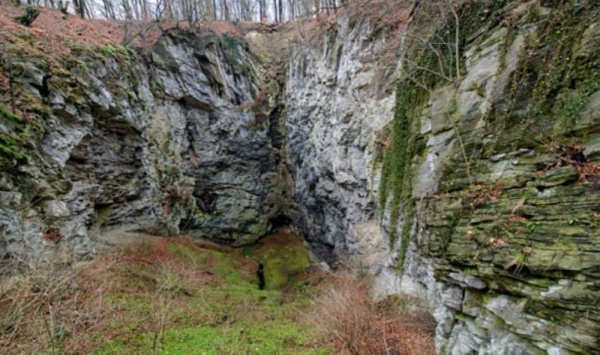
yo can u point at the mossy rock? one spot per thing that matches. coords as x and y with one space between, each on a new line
27 18
282 266
283 256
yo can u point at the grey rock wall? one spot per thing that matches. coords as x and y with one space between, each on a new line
502 243
203 136
167 142
338 98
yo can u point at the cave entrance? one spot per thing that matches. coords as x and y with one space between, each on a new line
261 276
283 226
280 221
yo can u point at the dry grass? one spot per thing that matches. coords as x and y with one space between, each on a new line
57 32
354 323
42 309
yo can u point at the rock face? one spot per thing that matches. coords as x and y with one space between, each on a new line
337 100
477 188
503 225
490 182
171 142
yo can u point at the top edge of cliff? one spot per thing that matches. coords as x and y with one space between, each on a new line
53 26
56 32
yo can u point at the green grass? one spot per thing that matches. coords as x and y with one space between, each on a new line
224 313
242 338
275 338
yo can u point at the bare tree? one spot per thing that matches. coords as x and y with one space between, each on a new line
194 10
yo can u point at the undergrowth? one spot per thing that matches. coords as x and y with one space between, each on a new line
346 313
175 295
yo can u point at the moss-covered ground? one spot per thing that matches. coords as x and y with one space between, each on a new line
173 296
205 301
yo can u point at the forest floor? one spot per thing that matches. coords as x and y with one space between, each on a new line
57 30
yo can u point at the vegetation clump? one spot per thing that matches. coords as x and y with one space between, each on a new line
176 295
13 139
27 18
346 313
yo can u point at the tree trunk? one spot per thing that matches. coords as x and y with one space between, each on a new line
226 11
214 9
280 11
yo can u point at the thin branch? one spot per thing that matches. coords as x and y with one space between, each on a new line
417 66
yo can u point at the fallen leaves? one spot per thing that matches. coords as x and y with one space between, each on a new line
589 172
498 242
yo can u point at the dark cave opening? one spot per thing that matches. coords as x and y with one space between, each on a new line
261 276
280 221
321 251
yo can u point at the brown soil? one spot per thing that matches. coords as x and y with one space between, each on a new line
279 238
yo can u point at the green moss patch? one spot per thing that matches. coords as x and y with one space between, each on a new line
14 133
176 296
283 257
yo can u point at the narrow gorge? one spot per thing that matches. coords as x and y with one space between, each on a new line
469 181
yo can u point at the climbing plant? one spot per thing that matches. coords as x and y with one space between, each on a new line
435 59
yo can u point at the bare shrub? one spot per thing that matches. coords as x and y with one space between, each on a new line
347 316
169 279
344 312
43 307
405 327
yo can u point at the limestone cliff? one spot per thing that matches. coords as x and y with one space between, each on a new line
459 164
489 189
171 140
338 100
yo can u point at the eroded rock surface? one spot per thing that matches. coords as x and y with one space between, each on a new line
489 210
169 142
339 97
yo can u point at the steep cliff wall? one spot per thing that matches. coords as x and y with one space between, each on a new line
339 96
169 140
466 174
489 190
499 196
